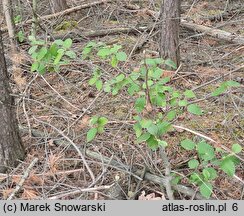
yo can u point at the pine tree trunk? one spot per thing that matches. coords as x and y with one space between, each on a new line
58 5
11 148
169 39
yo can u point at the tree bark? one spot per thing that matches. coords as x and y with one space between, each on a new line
58 5
169 38
11 148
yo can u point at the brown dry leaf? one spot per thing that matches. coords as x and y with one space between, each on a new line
150 196
16 179
168 73
29 194
53 162
85 122
34 179
7 192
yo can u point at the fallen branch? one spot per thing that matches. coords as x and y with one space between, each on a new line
62 13
161 180
23 178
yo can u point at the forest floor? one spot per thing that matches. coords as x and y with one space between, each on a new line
54 110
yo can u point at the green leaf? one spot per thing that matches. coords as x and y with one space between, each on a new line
170 63
232 83
67 43
144 137
104 52
219 90
119 78
99 85
140 104
138 129
71 54
152 143
59 56
206 189
121 56
183 103
102 121
91 134
188 144
152 129
212 173
193 164
157 73
21 36
94 120
107 88
93 80
228 166
163 127
100 129
194 109
34 66
236 148
115 48
32 49
206 174
146 123
42 52
205 151
162 143
171 115
133 89
189 94
114 61
53 50
59 42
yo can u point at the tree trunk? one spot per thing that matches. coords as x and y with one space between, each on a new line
11 148
58 5
169 38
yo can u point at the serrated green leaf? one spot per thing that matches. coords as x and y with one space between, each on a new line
171 115
206 189
121 56
94 120
104 52
219 90
140 104
102 121
212 173
71 54
188 144
193 164
34 66
205 151
152 129
183 103
236 148
194 109
162 143
99 85
145 123
157 73
189 94
232 83
152 143
41 53
144 137
228 166
32 49
58 57
119 78
163 127
170 63
59 42
91 134
138 129
107 88
67 43
114 61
